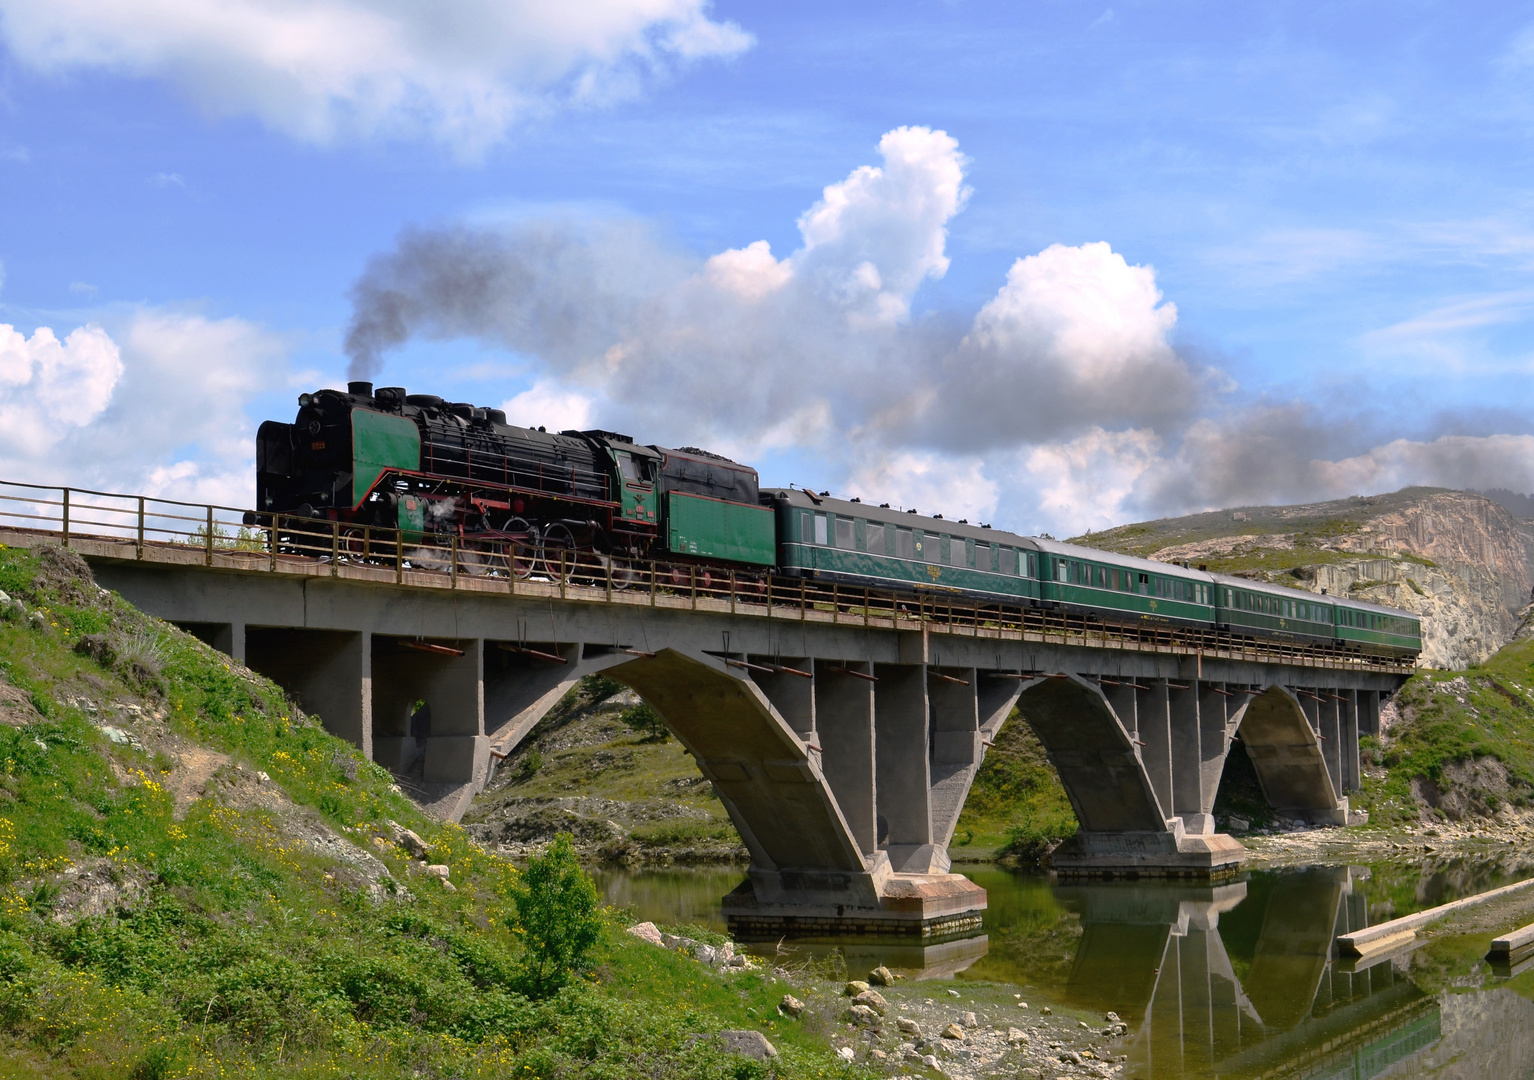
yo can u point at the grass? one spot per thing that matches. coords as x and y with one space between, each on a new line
223 943
1449 718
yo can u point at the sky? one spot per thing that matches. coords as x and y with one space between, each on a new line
1051 265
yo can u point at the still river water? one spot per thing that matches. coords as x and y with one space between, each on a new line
1233 980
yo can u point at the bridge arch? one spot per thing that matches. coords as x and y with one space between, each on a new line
1287 755
1097 759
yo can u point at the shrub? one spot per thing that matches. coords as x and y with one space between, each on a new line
528 767
556 917
646 721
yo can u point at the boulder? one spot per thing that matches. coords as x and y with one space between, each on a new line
854 988
1016 1036
953 1031
970 1021
874 1000
880 976
647 932
790 1005
861 1015
751 1044
909 1026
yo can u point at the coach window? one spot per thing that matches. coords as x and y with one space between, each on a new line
905 544
873 538
820 530
982 556
844 533
1062 570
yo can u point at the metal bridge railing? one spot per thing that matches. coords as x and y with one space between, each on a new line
167 531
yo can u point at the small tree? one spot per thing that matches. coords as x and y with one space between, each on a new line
556 917
646 721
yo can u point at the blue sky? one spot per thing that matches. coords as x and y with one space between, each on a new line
1056 265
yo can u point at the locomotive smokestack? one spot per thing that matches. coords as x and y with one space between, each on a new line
360 389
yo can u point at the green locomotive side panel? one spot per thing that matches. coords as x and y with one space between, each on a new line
696 525
412 518
380 442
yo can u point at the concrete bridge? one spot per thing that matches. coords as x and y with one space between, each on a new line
841 729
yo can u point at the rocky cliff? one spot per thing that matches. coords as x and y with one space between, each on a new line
1460 560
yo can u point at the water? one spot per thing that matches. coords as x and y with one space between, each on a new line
1233 980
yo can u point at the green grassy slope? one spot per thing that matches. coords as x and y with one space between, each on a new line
196 880
1463 747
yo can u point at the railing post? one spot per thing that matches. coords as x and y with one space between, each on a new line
769 594
399 556
732 590
867 598
66 517
692 578
335 548
452 554
141 526
562 573
208 540
652 582
836 603
271 544
803 600
609 579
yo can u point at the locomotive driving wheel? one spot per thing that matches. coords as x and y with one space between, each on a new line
558 553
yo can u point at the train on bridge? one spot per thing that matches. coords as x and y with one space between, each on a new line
527 502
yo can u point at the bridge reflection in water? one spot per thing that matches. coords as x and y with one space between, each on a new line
1262 995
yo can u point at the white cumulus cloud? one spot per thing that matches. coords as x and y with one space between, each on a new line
157 409
319 69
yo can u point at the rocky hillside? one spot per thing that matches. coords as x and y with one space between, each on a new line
1460 560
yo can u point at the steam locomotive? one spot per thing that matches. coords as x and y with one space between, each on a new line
449 474
453 481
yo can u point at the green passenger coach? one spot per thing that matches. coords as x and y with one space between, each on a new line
1086 577
843 540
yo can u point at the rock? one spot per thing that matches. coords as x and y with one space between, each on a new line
1111 1017
1083 1025
725 953
846 1053
738 962
1070 1056
1022 1004
438 870
1016 1036
953 993
705 954
953 1031
647 932
751 1044
854 988
790 1005
970 1021
449 886
878 1055
880 976
930 1061
405 838
874 1000
909 1026
1239 824
861 1015
1046 1011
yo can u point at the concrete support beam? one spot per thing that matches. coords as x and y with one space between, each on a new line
844 717
1368 712
1153 709
792 695
1352 773
1187 760
329 672
1330 731
953 697
902 739
452 747
1213 745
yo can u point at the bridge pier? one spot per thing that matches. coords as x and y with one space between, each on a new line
813 871
329 672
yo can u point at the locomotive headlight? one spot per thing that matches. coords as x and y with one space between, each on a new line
305 400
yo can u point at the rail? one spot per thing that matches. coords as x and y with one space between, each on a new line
167 531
